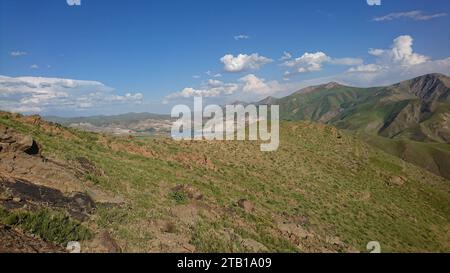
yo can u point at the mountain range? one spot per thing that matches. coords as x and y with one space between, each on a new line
410 119
417 109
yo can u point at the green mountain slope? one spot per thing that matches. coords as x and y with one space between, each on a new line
416 110
323 190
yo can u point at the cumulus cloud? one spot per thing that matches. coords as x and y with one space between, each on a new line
376 52
18 53
377 75
241 37
311 62
308 62
249 86
212 88
416 15
44 95
244 62
253 84
401 54
399 62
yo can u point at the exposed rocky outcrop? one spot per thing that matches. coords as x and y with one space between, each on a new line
429 88
11 141
20 194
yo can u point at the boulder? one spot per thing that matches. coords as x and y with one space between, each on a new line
253 246
12 141
246 205
397 181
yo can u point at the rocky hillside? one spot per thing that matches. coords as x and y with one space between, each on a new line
323 191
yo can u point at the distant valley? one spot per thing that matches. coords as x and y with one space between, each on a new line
139 124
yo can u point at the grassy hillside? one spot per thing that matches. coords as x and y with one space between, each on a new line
323 190
412 116
434 157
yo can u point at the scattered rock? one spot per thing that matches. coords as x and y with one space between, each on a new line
293 231
253 246
32 120
333 240
88 167
108 242
246 205
191 192
185 213
301 220
397 181
169 227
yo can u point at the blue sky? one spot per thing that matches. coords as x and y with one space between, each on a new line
141 55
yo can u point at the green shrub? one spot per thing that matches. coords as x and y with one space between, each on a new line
50 226
179 197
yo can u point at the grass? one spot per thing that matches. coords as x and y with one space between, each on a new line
50 226
179 197
334 179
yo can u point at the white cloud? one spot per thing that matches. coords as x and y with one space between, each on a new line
311 62
415 15
218 75
308 62
401 53
73 2
253 84
247 85
38 94
387 75
241 37
346 61
212 88
196 77
244 62
397 63
34 66
368 68
18 53
376 52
